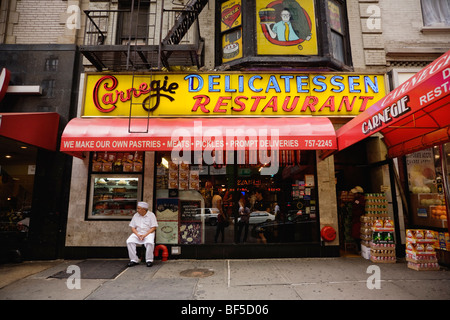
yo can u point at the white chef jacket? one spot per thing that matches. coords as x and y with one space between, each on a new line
143 224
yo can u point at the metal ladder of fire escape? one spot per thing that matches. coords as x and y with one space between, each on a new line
141 73
181 26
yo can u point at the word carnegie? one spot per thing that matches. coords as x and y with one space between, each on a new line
115 96
396 110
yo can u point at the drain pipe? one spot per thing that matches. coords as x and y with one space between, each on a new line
165 252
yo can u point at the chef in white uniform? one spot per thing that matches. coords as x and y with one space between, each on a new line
143 225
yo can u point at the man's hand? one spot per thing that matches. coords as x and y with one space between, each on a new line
143 236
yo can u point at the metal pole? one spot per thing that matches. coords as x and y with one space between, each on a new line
398 242
129 34
160 35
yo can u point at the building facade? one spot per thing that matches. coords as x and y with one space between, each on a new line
159 79
40 68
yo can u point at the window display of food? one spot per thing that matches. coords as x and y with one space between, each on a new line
109 161
425 187
113 196
429 209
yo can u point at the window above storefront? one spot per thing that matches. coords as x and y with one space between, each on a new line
285 33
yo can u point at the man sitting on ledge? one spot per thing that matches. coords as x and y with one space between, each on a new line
143 225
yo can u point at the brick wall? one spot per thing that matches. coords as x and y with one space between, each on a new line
405 35
384 33
366 34
39 22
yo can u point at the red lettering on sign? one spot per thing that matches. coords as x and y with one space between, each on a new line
199 103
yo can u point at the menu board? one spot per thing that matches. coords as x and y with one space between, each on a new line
190 222
167 232
190 210
167 211
179 221
190 233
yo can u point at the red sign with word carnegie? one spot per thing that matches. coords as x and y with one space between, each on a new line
423 89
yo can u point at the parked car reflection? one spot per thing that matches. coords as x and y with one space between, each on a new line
208 214
259 217
295 228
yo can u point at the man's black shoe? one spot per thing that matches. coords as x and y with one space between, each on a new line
132 264
149 264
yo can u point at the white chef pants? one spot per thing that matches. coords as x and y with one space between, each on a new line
148 242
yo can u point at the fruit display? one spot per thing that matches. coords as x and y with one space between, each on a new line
424 189
438 212
429 210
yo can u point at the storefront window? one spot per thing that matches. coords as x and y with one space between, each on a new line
200 204
426 186
337 30
115 184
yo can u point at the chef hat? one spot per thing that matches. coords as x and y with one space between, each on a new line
143 205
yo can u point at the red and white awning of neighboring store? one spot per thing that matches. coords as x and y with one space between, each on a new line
38 129
168 134
414 116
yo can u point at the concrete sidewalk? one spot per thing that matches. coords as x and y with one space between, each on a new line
344 278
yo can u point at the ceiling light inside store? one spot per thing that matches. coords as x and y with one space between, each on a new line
165 163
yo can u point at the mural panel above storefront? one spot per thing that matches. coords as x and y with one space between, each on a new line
286 27
230 94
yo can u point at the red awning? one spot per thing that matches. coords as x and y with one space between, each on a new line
39 129
167 134
414 116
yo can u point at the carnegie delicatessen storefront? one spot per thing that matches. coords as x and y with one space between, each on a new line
230 162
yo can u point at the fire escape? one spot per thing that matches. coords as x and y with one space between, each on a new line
145 36
142 39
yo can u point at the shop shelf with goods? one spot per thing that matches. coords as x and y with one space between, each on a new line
376 209
382 246
115 184
114 195
420 249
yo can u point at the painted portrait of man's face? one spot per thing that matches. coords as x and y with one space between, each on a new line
285 15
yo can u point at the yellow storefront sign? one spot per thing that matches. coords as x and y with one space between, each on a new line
230 94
